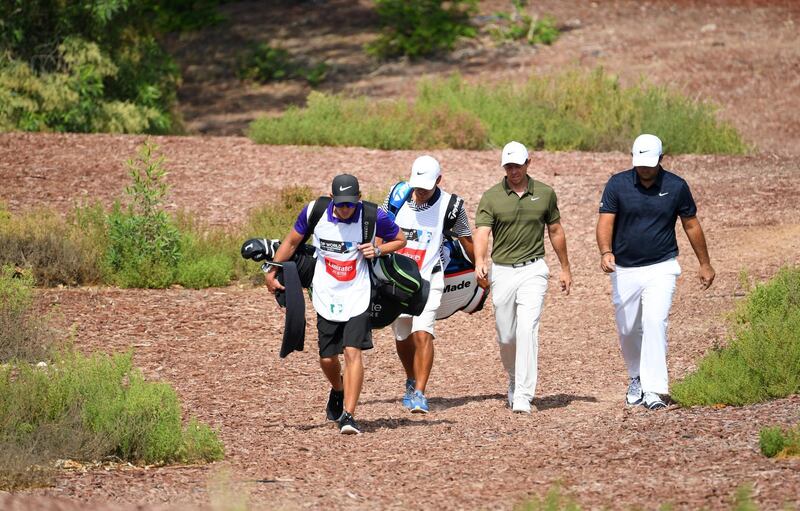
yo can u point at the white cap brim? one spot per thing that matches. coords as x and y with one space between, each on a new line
648 159
424 181
517 158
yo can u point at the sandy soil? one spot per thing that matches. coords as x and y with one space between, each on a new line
743 55
219 348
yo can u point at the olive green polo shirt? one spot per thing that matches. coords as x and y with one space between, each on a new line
517 222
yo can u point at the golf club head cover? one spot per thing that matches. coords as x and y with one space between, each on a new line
260 249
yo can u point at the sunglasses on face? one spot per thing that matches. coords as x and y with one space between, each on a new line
346 205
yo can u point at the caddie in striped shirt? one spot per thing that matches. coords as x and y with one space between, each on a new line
422 218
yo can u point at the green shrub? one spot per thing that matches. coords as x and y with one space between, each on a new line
144 243
777 441
761 361
263 63
569 111
415 28
207 260
24 334
106 403
338 121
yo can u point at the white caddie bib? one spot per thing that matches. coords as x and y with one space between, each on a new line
341 286
423 230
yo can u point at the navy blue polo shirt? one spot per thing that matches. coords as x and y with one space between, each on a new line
644 225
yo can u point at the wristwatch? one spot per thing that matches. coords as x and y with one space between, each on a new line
377 251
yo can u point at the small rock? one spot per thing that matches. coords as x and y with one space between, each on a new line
710 27
41 365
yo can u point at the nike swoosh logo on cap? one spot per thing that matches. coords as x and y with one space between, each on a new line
663 194
645 151
343 188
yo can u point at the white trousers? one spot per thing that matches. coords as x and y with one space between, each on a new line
642 298
518 297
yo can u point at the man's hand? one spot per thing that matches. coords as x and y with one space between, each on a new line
565 278
483 282
482 270
368 250
706 274
608 263
272 283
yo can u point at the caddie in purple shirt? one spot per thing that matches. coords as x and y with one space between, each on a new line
341 289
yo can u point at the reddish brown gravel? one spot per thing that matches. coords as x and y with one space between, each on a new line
219 348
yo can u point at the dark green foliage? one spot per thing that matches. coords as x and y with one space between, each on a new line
416 28
263 63
762 360
92 66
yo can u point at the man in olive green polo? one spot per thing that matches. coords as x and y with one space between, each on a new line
515 212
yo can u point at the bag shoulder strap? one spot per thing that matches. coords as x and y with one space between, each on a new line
320 205
397 197
451 215
369 217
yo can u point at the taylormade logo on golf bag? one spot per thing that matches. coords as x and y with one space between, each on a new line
464 284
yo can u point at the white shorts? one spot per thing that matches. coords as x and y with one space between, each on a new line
405 325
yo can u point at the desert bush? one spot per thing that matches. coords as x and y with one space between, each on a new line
776 441
381 125
24 334
107 408
56 250
415 28
761 360
144 243
264 63
570 111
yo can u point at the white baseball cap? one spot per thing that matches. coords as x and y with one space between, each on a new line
646 151
424 173
514 152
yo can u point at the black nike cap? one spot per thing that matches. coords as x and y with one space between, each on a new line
345 189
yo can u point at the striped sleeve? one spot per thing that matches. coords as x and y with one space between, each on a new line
461 227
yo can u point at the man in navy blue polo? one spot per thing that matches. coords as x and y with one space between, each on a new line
636 238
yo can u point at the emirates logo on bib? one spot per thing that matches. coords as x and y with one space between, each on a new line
340 270
416 254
